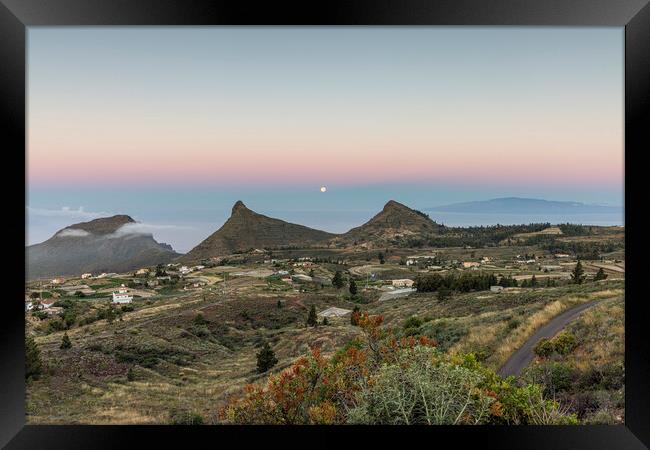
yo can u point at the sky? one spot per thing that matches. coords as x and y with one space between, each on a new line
172 125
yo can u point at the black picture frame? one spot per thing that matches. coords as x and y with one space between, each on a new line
16 15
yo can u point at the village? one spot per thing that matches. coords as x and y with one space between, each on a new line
171 332
389 279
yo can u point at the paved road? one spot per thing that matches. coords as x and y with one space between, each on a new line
523 357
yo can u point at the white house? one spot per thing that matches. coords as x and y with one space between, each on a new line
86 275
468 264
404 282
184 270
496 288
47 303
122 295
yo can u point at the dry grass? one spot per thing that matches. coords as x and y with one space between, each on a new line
518 336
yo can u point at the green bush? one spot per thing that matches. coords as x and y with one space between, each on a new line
544 348
266 358
33 363
413 390
41 315
513 323
185 418
412 322
65 342
55 325
553 375
564 343
199 319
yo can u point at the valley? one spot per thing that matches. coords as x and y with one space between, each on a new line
188 343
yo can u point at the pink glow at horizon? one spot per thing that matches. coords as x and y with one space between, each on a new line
248 106
133 160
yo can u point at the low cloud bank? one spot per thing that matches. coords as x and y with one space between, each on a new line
73 232
66 211
139 228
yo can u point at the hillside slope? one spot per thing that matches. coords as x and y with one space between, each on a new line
246 229
101 245
394 222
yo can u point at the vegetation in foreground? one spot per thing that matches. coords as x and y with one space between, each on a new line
583 366
379 379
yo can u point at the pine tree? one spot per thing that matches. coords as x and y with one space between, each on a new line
279 304
33 364
381 258
65 342
353 287
600 275
266 358
325 321
578 273
533 281
312 319
337 281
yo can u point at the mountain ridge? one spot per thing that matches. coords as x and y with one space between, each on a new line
247 229
95 246
505 205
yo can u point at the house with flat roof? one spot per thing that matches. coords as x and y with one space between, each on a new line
122 295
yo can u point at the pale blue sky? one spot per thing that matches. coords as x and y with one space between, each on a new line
172 125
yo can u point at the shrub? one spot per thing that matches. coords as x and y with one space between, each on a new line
564 343
65 342
337 281
41 315
185 418
266 358
444 293
381 379
353 288
33 363
354 317
513 323
199 319
413 390
127 308
412 322
600 275
601 417
55 325
96 347
553 375
312 318
544 348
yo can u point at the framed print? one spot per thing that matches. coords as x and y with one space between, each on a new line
363 219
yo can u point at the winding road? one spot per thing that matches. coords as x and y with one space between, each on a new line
523 357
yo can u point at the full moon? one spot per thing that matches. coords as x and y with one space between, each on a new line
323 189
